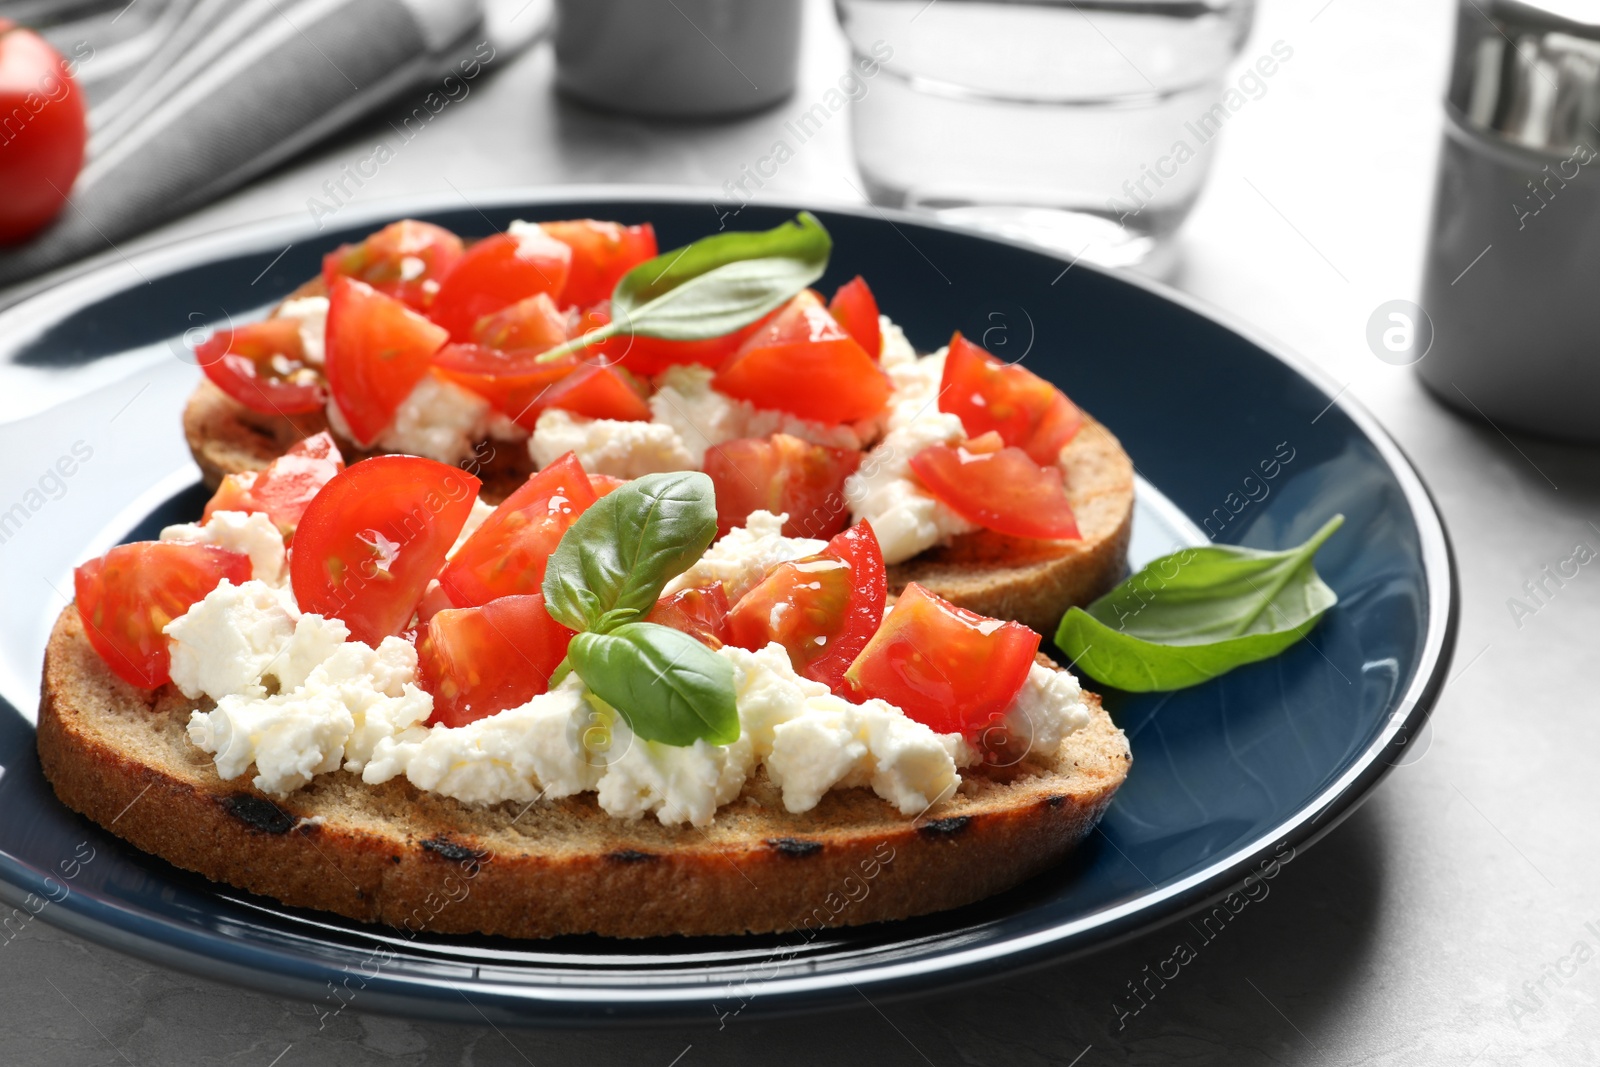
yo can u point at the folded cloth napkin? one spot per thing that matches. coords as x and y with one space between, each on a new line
190 98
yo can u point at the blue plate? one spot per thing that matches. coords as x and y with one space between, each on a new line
1233 440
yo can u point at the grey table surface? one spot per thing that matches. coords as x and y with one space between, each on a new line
1452 920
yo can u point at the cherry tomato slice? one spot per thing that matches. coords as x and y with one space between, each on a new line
513 382
496 272
857 311
532 323
405 260
823 609
604 483
44 132
1003 490
506 556
649 356
602 252
284 489
804 363
948 668
700 612
1022 407
371 541
480 661
782 474
378 350
129 594
263 366
600 391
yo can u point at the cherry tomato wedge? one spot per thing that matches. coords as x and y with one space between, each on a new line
496 272
42 146
1022 407
506 556
823 609
700 612
532 323
371 541
514 383
951 669
480 661
803 362
284 489
405 260
378 350
604 483
857 311
263 366
600 391
602 252
1003 490
782 474
128 595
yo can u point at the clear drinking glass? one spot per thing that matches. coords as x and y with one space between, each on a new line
1084 125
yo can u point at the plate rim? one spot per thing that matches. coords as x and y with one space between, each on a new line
572 1001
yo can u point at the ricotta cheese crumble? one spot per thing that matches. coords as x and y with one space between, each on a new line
438 419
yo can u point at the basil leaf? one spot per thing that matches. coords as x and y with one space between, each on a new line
1198 613
666 685
714 286
612 562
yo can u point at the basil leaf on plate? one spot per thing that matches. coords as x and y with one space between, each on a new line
666 685
714 286
1197 613
612 562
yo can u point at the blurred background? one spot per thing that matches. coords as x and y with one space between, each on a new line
1398 191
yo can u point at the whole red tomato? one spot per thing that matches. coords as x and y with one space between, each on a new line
42 133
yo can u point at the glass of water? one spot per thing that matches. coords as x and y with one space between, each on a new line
1083 125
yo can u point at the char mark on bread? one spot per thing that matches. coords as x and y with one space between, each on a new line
794 846
258 813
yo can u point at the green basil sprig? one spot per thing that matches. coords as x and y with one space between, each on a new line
713 286
607 572
1197 613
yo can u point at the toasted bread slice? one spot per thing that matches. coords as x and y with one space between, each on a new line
398 855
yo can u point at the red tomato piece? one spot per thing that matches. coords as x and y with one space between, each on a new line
496 272
371 541
127 596
284 489
378 350
405 260
506 556
951 669
803 362
602 252
649 356
1004 490
782 474
1022 407
823 609
514 382
604 483
600 391
533 323
857 311
480 661
263 366
700 612
44 132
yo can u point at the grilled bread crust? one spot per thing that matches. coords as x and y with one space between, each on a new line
395 854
